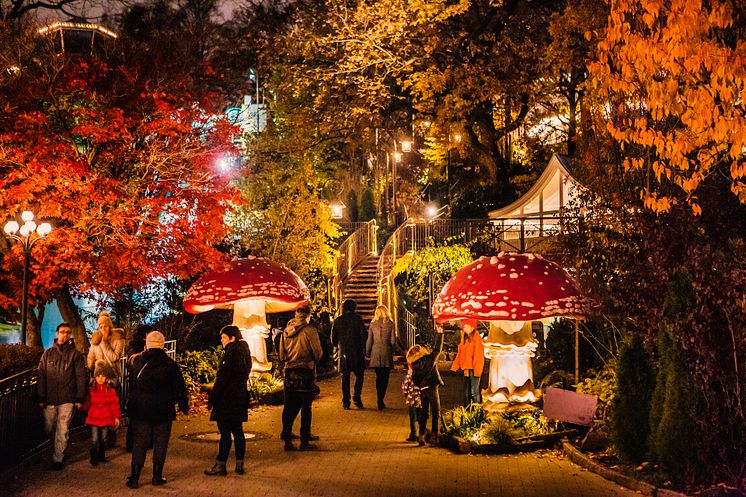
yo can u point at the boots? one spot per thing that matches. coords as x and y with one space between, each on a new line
219 469
94 456
239 466
158 478
102 452
133 480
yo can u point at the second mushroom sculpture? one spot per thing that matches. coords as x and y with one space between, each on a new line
510 291
251 287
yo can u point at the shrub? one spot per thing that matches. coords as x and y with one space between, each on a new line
674 437
631 404
353 212
367 205
530 422
464 422
15 358
602 385
498 431
199 367
264 384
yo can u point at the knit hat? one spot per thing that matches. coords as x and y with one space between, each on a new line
104 318
416 352
103 368
155 340
469 321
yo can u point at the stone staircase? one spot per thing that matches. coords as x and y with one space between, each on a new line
362 287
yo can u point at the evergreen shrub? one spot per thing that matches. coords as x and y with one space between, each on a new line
631 405
15 358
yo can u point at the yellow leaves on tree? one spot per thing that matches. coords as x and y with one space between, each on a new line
674 74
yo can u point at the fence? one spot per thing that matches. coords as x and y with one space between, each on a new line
21 421
529 233
356 247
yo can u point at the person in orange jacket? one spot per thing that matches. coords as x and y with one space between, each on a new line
470 359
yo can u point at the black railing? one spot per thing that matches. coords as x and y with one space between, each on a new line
21 419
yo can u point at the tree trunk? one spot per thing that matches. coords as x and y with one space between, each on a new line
33 327
71 315
572 125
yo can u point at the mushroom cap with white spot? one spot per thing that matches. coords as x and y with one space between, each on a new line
253 278
509 287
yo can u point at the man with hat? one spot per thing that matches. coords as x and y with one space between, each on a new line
61 387
157 385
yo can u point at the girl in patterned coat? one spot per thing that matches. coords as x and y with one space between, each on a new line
412 399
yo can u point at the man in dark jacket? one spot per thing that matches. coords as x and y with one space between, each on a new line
300 350
349 335
156 387
61 387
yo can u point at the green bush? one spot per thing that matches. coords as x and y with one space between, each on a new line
631 405
199 366
264 384
673 432
603 385
353 212
15 358
464 421
530 422
498 431
367 205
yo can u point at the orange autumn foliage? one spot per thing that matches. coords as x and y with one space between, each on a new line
673 74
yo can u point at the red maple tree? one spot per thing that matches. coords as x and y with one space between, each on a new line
123 165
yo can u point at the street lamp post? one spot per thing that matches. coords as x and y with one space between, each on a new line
24 234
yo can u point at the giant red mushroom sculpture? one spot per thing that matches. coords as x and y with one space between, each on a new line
510 291
251 287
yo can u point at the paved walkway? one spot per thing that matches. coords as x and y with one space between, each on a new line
361 453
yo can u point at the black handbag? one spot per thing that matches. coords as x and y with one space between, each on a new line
299 380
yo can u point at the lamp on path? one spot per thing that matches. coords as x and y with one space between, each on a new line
27 234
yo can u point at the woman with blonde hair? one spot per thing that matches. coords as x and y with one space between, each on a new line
107 344
380 349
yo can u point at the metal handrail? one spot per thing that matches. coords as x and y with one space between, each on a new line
22 426
515 234
353 250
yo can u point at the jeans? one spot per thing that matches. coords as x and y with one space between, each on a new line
57 426
226 429
297 402
472 392
430 405
382 383
99 435
147 435
356 396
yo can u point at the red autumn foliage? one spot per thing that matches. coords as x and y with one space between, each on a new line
123 166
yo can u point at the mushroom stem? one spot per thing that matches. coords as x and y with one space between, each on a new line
510 347
251 319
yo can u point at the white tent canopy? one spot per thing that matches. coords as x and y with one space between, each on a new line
554 189
539 211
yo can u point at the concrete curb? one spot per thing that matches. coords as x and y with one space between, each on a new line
626 481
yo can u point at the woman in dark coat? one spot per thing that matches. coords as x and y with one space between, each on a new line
229 399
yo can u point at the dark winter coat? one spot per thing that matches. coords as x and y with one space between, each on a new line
156 386
62 377
425 372
229 397
349 335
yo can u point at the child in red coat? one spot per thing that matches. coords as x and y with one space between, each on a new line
103 409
